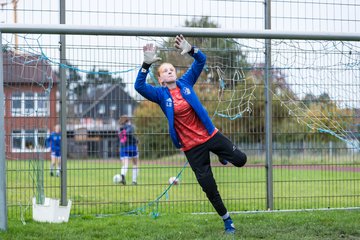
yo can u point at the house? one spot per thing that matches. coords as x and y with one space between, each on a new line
93 130
32 109
30 87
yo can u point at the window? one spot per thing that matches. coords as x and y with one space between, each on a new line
41 138
29 140
113 107
129 109
42 106
16 104
16 139
101 108
30 104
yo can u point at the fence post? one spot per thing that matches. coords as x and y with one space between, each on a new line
3 208
268 107
63 106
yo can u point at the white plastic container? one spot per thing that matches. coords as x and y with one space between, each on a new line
51 211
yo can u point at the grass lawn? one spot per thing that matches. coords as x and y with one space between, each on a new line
92 191
332 224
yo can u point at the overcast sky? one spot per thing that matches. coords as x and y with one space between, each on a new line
305 15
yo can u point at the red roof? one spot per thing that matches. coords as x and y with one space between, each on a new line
27 69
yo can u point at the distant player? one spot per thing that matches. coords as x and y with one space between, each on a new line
128 149
54 143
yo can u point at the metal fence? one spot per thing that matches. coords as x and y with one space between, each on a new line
294 111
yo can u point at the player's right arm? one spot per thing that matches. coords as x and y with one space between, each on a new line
146 90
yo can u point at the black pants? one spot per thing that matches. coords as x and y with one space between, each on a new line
199 160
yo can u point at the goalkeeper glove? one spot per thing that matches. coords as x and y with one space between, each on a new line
182 44
150 54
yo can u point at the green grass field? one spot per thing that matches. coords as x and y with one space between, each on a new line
310 225
92 191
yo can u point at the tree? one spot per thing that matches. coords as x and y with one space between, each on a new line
325 116
152 131
309 99
73 80
77 86
221 53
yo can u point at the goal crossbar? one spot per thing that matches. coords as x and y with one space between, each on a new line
168 32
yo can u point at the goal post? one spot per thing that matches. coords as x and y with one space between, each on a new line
3 208
296 108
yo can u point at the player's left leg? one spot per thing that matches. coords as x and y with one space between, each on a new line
52 164
124 168
199 160
58 164
226 150
135 170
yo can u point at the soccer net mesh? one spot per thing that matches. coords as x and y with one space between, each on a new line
314 85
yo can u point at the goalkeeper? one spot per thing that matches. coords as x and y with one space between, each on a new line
190 127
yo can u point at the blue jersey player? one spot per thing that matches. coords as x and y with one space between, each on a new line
128 148
54 143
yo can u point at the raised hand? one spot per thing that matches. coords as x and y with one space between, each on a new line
150 54
182 44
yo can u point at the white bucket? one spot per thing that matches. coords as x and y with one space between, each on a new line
51 211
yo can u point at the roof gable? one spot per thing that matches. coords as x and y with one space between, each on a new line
28 69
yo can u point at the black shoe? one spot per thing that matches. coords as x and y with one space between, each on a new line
51 174
223 161
123 181
134 183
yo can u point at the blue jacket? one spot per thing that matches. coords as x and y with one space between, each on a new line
54 141
162 96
